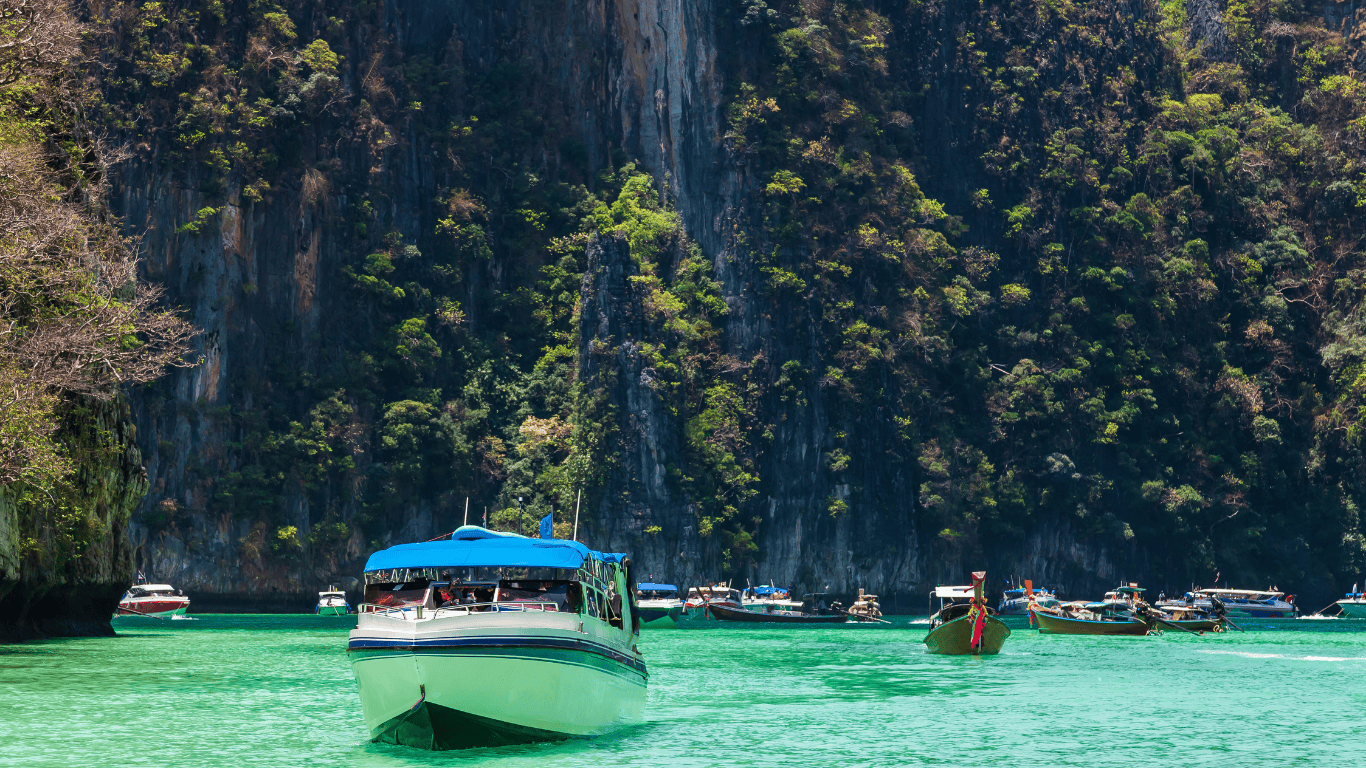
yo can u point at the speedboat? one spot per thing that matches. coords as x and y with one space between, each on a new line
488 639
332 603
156 600
1015 602
1252 603
964 625
767 598
813 609
659 605
1353 605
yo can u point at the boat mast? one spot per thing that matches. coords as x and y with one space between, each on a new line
577 502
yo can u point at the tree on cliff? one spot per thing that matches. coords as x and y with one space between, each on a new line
74 319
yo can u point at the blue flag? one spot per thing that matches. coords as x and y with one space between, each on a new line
547 529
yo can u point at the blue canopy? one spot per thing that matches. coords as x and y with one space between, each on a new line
658 587
768 590
474 547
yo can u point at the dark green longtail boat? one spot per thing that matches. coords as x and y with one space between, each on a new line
965 625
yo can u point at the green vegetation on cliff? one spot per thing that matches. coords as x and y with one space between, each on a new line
1060 263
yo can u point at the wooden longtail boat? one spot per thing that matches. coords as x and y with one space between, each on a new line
1120 613
1062 625
965 628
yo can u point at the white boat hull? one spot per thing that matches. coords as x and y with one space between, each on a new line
493 685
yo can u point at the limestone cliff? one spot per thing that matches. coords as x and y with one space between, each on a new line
65 560
969 310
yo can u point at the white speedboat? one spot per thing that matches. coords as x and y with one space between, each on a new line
332 603
659 605
1353 605
1252 603
161 601
487 639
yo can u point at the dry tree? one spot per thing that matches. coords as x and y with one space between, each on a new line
74 318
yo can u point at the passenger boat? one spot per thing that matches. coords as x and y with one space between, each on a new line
964 625
1353 605
1252 603
697 608
812 610
1185 617
767 598
1015 602
332 603
1115 615
487 639
866 608
157 600
659 605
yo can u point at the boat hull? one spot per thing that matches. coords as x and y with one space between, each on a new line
740 615
160 609
1058 625
470 691
659 617
333 610
954 638
1353 610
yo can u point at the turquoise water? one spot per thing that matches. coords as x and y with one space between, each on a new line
278 691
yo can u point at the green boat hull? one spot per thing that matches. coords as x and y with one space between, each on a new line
1057 625
954 638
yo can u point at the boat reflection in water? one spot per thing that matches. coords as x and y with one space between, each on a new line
964 625
489 639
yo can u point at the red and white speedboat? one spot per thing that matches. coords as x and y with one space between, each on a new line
159 600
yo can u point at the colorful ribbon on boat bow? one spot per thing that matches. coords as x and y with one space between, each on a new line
979 608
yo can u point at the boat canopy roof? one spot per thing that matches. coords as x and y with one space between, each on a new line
648 587
332 593
1240 592
953 592
474 547
1129 590
154 587
767 589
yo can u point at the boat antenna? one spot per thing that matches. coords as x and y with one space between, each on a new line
577 502
467 511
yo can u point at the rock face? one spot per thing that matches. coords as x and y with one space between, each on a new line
646 80
65 562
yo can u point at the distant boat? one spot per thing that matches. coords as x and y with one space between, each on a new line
767 598
1252 603
697 608
1115 615
332 603
866 608
487 639
812 610
161 601
659 605
1015 602
964 624
1353 605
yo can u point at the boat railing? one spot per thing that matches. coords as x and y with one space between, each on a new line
421 612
